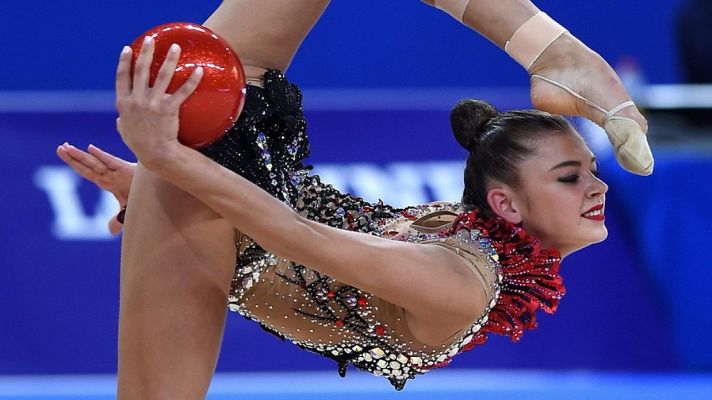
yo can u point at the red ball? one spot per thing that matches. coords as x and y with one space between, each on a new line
212 109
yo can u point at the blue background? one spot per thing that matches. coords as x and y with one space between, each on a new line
638 301
73 45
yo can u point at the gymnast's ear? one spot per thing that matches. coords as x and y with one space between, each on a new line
504 203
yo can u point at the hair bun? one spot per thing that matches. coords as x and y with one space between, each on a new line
468 119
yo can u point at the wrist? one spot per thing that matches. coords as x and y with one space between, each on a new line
160 157
123 198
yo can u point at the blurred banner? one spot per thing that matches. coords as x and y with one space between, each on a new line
634 302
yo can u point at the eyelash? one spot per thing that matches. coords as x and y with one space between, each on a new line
571 179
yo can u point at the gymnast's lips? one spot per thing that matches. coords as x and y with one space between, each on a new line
595 213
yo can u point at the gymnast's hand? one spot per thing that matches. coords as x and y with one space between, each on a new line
148 116
105 170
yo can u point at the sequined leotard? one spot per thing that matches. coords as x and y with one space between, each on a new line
320 314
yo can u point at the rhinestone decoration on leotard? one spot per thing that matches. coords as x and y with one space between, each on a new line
269 141
267 146
370 345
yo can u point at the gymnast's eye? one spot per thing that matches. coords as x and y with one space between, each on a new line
569 179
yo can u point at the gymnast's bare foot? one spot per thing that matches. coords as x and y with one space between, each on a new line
569 62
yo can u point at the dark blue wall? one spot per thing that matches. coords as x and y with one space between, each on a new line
368 43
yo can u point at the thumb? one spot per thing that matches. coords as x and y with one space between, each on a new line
116 223
114 226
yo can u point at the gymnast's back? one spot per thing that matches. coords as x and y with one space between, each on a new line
342 322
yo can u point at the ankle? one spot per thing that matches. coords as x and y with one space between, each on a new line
564 52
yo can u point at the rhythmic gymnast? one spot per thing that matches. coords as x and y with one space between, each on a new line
393 291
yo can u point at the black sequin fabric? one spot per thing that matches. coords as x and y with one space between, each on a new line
269 141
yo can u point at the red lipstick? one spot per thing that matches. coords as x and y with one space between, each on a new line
595 213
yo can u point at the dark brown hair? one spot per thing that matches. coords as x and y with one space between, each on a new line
497 143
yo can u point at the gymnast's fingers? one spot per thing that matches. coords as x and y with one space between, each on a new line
123 71
110 160
186 89
165 74
142 68
87 159
77 166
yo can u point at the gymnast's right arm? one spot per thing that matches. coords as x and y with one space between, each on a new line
431 283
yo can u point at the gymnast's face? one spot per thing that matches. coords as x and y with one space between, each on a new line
560 200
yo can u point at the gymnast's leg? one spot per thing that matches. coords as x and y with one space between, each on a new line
567 60
177 261
178 256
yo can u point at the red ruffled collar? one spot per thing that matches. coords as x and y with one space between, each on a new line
530 276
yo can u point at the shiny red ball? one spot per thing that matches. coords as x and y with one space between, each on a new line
215 105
